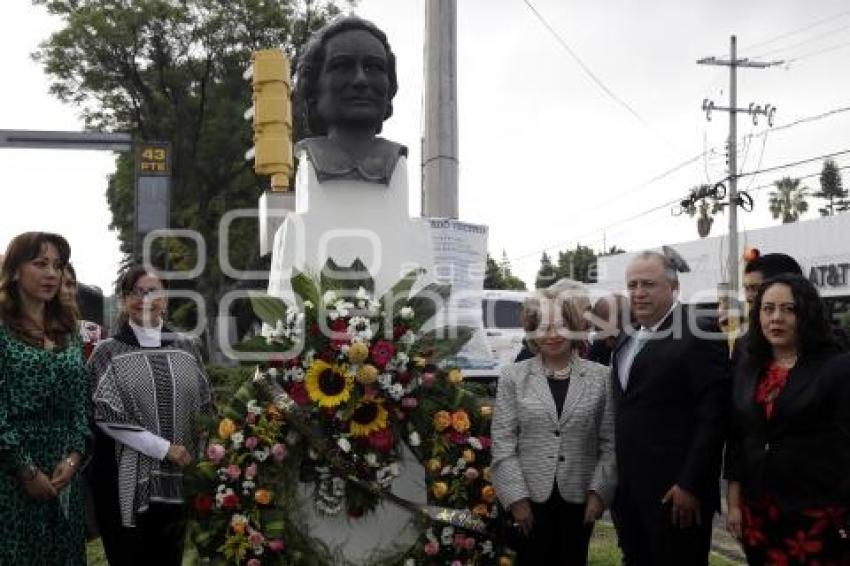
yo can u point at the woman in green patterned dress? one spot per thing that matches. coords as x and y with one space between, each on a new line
43 408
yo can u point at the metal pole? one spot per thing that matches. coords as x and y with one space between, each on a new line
733 172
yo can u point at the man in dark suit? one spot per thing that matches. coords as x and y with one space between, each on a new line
671 386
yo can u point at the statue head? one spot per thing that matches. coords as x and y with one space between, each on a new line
346 77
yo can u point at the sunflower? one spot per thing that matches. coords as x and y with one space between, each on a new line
368 417
328 385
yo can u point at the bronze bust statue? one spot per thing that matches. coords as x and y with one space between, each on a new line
346 79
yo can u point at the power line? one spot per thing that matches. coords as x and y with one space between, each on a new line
795 163
804 42
796 31
815 53
591 74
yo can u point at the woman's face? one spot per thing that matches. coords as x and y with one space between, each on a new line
68 291
552 333
145 302
40 277
778 317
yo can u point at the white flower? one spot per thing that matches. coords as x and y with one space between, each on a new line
446 535
385 380
308 359
236 438
372 459
294 374
396 391
259 375
408 338
329 297
362 293
261 455
248 485
475 443
402 358
410 562
487 547
394 469
344 444
308 305
333 315
252 407
258 549
414 439
406 313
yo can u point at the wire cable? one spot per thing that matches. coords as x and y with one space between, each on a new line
796 31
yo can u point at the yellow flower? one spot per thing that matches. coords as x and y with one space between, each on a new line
480 510
485 473
488 493
486 411
226 427
367 374
505 561
358 352
238 528
469 456
439 489
434 465
460 421
328 385
419 361
454 377
442 420
263 496
368 417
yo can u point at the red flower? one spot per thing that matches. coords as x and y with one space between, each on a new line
328 355
776 557
230 501
486 442
339 334
382 352
315 330
382 440
800 546
275 362
298 393
456 437
203 503
398 331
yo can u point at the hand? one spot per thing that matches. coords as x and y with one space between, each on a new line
733 521
521 510
64 472
39 487
685 509
179 455
594 508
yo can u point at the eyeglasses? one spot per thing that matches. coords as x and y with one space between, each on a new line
141 292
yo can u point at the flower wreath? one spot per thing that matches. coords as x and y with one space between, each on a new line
349 378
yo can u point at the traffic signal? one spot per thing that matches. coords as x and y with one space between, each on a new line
272 116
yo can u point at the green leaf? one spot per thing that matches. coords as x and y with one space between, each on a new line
304 287
426 302
347 278
445 341
268 309
398 293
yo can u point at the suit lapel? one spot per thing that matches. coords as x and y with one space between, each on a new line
540 386
799 378
575 392
660 337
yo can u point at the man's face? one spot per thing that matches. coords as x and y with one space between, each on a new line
354 81
651 294
752 282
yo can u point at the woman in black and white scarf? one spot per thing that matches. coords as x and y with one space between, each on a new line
149 387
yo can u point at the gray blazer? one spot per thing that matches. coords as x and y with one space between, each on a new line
533 448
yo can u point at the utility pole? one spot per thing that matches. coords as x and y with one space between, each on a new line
439 109
753 110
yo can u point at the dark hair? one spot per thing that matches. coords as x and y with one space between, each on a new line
771 265
127 282
310 67
69 267
814 334
60 318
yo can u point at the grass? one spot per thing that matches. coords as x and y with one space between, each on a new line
603 550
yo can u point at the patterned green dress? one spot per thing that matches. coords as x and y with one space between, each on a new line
43 416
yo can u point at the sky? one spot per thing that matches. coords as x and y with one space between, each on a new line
549 157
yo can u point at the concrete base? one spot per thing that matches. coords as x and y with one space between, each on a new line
272 209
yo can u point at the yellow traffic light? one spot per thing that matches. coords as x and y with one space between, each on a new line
272 117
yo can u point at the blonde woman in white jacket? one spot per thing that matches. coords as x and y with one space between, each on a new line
553 434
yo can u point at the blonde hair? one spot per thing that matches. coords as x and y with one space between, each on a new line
569 296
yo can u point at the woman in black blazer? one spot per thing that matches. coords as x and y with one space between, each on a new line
790 447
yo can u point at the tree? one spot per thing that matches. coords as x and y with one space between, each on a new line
498 276
788 201
832 190
703 204
546 275
172 71
578 264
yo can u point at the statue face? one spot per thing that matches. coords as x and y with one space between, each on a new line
353 83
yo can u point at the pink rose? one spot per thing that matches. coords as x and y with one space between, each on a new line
459 541
432 548
254 562
427 379
251 471
409 402
457 563
276 545
469 543
471 474
278 451
215 452
250 418
486 442
233 472
256 538
251 442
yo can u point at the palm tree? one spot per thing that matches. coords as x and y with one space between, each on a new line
788 201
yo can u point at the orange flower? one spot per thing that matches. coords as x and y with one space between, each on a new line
442 420
273 412
263 496
226 427
238 528
480 510
439 489
488 494
469 455
505 561
454 377
486 411
434 465
460 421
485 473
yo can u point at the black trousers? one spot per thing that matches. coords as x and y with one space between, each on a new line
559 535
647 536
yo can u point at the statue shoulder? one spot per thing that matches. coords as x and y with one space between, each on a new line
332 161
